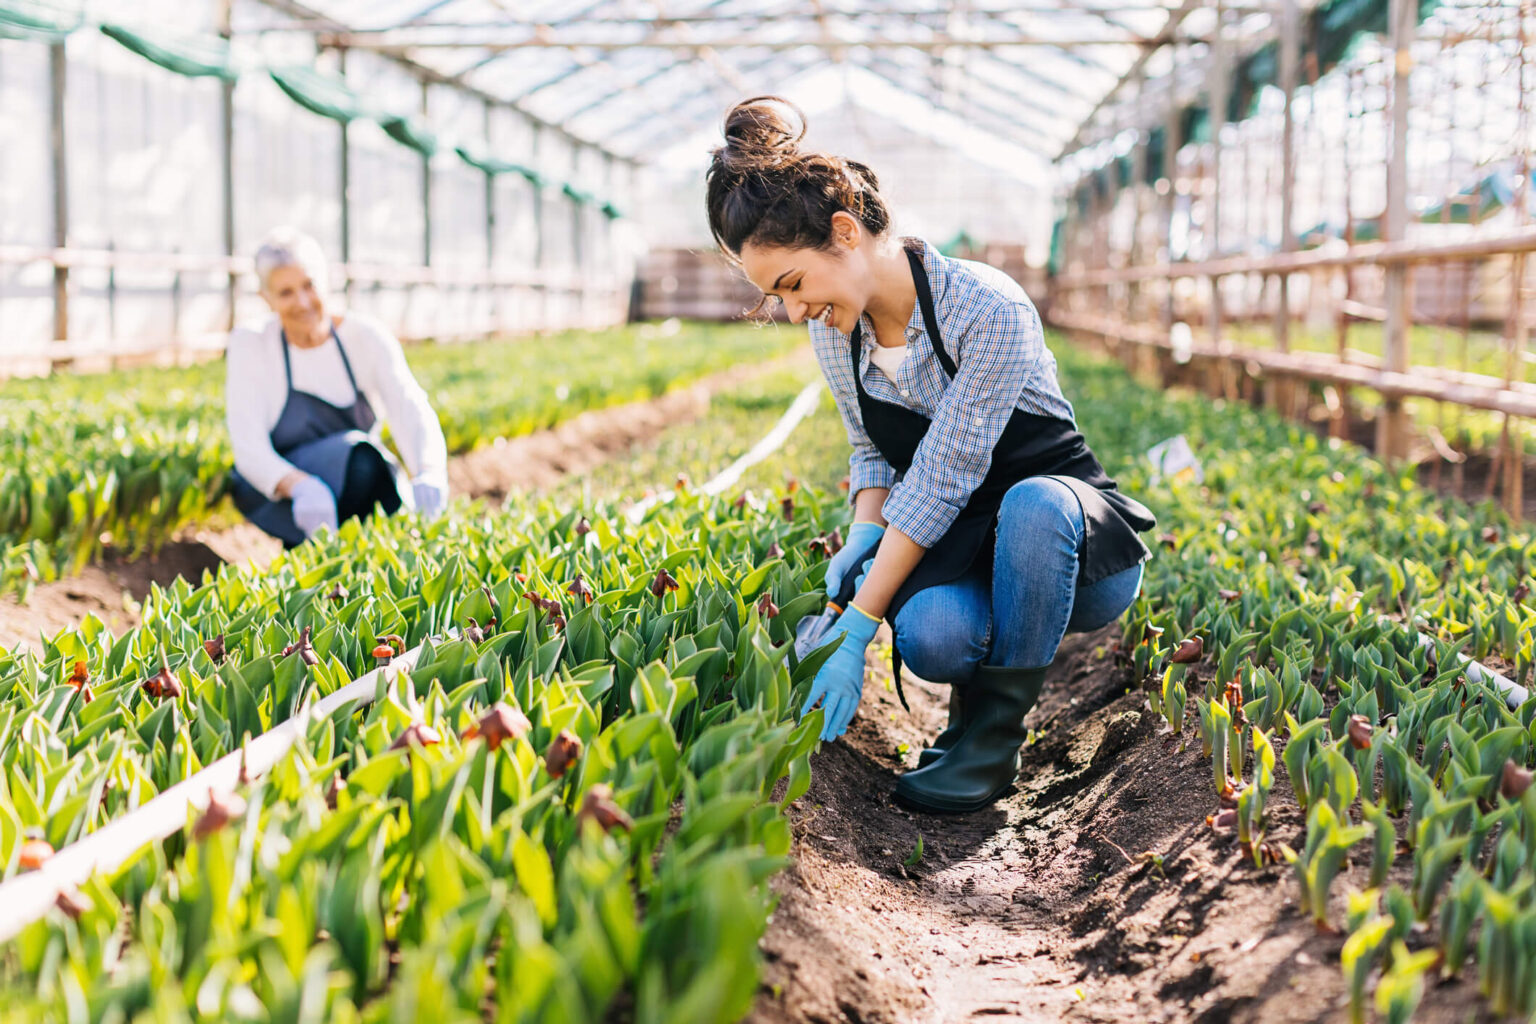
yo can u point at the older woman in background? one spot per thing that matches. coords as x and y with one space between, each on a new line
302 394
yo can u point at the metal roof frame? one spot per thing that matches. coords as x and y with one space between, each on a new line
991 46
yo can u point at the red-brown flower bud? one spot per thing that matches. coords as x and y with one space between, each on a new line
564 751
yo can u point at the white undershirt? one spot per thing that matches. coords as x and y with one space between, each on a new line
888 358
256 390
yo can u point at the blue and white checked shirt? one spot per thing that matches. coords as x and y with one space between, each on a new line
992 332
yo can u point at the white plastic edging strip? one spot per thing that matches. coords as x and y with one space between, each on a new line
28 896
803 405
1514 694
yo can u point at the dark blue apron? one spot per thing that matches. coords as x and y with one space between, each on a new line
314 436
1030 445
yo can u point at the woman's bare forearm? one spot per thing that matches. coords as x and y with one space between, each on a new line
867 505
894 562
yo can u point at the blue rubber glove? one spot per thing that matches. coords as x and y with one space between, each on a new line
840 682
858 584
860 537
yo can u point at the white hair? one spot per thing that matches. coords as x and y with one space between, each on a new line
290 247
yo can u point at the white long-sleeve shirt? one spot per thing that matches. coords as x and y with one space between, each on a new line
256 390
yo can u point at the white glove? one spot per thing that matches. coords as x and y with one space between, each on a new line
431 495
314 505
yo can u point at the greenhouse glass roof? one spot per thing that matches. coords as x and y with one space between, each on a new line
619 73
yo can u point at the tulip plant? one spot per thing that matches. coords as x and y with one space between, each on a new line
1311 604
123 460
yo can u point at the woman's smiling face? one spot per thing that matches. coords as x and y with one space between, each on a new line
831 285
297 299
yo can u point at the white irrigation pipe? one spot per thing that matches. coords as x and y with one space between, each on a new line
28 896
1514 694
803 405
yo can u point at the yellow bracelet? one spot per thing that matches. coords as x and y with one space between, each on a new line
861 611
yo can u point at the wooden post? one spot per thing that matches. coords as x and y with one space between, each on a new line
1217 93
1290 28
1516 333
578 256
1172 141
426 192
227 167
1283 395
1138 194
344 185
492 289
490 203
1392 427
57 75
542 287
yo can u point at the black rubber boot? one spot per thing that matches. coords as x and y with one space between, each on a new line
946 739
984 761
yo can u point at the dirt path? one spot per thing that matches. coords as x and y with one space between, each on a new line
1095 892
113 589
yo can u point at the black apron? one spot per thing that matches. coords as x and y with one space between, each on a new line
314 436
1030 445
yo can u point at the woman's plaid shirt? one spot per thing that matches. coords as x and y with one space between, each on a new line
992 332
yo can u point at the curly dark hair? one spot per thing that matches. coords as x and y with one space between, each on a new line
763 188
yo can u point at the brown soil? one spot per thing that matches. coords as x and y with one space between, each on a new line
110 590
1049 905
541 460
113 589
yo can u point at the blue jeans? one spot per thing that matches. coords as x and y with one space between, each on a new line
1014 612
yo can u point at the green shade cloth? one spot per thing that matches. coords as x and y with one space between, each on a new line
322 94
962 242
1195 123
490 165
576 195
1157 150
193 56
1058 243
1488 196
612 212
38 20
1367 229
411 132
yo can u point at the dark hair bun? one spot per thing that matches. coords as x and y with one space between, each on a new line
762 187
762 131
